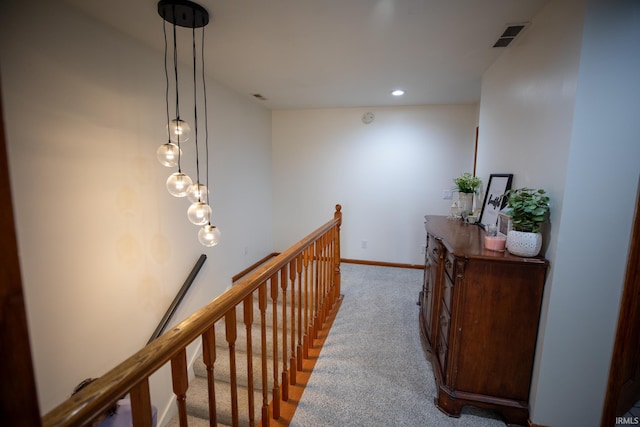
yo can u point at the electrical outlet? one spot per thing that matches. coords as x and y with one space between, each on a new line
423 249
447 194
363 244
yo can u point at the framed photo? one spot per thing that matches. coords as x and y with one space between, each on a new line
494 199
504 224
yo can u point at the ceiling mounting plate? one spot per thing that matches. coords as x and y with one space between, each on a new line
183 13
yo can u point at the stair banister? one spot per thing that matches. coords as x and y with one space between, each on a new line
132 375
178 299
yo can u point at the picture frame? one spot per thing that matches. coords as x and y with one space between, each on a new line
494 200
504 224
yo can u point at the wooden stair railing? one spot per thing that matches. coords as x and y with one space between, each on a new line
303 280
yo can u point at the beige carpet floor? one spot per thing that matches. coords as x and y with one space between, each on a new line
372 370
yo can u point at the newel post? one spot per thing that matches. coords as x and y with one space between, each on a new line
336 252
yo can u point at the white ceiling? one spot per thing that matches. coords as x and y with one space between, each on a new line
339 53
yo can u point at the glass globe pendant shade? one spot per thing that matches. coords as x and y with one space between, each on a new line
168 154
179 130
178 183
209 235
199 213
198 193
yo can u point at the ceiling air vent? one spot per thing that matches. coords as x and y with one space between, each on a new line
509 34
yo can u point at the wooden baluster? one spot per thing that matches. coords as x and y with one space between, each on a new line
292 360
299 264
327 270
327 274
312 277
330 268
327 291
180 384
231 335
262 305
273 281
336 262
320 271
324 283
316 283
285 356
320 284
141 414
332 252
330 271
336 252
248 322
209 358
305 337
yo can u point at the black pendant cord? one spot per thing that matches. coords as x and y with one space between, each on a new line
175 70
206 123
166 78
195 111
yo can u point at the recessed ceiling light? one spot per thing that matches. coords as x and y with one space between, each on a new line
397 92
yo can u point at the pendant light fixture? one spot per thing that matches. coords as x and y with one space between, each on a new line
187 14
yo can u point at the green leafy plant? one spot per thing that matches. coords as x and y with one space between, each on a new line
467 183
528 207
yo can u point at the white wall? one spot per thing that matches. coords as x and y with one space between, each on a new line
103 246
387 175
527 103
604 160
560 109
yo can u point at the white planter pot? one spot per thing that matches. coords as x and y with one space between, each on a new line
523 243
465 202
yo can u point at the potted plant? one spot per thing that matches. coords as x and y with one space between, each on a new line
528 209
467 185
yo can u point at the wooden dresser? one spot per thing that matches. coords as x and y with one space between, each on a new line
479 318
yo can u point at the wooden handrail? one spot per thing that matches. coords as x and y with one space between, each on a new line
178 299
131 376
